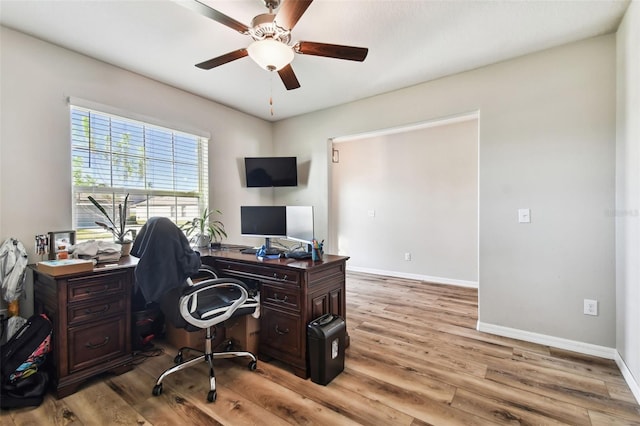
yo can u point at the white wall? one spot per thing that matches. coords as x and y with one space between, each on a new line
35 157
627 213
412 191
547 142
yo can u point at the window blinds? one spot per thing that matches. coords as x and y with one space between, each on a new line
163 170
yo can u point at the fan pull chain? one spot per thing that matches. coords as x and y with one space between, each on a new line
271 94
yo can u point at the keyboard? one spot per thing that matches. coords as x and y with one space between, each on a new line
269 252
297 255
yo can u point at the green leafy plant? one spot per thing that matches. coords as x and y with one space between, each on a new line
204 225
119 229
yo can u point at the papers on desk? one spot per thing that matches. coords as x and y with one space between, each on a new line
100 251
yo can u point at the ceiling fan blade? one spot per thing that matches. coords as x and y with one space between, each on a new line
221 60
219 17
290 12
289 78
337 51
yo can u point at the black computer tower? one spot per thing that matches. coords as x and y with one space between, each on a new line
326 337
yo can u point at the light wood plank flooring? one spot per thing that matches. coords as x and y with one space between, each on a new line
415 359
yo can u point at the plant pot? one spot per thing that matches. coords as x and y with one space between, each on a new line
125 248
203 241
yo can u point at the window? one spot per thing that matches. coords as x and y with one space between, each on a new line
164 171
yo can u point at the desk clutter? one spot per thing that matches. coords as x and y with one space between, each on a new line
100 251
65 266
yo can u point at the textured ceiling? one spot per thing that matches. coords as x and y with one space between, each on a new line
409 42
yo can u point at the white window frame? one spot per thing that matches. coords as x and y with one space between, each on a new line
117 194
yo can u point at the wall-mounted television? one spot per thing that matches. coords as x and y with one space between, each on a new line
271 171
264 222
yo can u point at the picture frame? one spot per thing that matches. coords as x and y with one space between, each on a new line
60 241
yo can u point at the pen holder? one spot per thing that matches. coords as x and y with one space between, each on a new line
316 251
316 254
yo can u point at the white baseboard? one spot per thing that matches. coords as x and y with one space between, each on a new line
543 339
628 377
437 280
570 345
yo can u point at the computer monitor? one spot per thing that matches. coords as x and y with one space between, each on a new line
300 223
264 222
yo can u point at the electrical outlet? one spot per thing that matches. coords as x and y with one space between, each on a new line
407 256
590 307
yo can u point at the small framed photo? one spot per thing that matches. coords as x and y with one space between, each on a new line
59 241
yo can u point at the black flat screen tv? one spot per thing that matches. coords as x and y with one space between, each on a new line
271 171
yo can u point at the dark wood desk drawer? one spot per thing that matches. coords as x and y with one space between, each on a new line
258 272
94 343
280 297
95 287
96 309
281 331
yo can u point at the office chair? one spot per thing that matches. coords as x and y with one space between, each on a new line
161 246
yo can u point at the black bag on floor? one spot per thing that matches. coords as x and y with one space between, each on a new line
26 392
24 383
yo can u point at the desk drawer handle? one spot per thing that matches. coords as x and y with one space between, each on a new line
275 276
283 300
281 332
104 288
98 345
97 311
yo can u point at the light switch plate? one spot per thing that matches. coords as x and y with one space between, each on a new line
524 215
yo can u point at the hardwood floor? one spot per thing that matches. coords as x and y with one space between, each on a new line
415 359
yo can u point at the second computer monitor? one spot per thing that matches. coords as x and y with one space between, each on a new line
300 223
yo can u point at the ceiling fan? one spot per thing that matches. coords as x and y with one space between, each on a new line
271 34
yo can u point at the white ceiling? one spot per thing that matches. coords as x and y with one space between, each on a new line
409 41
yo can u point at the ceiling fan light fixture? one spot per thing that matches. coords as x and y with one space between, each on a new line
270 54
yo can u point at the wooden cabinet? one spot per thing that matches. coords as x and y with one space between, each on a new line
91 316
292 294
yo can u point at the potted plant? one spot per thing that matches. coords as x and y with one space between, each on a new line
119 228
204 229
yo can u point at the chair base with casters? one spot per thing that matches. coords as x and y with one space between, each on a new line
208 356
202 306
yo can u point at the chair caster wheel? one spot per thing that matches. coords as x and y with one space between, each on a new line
178 359
211 397
157 390
252 366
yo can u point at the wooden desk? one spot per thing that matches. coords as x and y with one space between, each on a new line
91 316
292 294
91 311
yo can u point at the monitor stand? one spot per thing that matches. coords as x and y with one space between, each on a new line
268 249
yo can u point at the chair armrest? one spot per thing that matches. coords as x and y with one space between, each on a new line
188 303
203 270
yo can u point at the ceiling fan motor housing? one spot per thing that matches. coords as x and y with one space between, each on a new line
264 26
